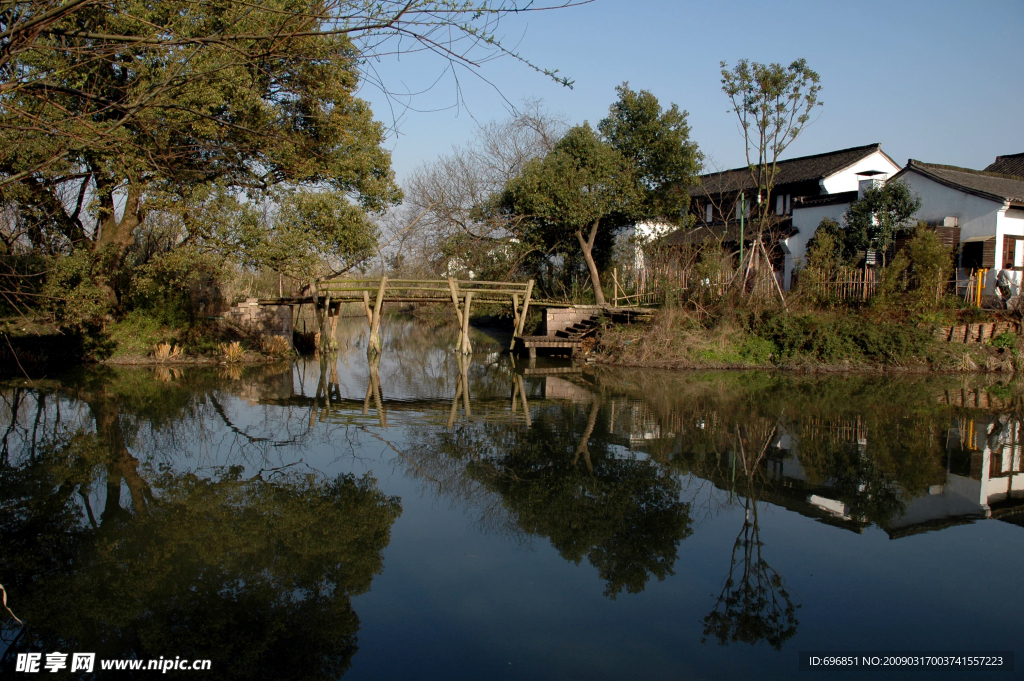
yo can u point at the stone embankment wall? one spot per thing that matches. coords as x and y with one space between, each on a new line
561 318
263 320
975 333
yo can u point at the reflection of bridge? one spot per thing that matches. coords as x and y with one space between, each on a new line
328 402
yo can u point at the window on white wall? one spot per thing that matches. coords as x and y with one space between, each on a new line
789 209
709 213
778 204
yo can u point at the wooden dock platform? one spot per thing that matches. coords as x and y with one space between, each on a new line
531 343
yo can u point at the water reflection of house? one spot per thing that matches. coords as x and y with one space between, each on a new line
634 425
555 388
984 478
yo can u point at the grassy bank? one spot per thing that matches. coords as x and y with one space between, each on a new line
816 340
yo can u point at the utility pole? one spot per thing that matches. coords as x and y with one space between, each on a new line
743 213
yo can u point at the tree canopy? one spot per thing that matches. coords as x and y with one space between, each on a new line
118 115
637 166
772 104
882 214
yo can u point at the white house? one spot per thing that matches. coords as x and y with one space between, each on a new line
988 208
806 189
840 186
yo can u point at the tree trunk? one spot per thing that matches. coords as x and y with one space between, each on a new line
114 236
587 246
121 464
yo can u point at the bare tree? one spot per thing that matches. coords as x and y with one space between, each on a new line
440 224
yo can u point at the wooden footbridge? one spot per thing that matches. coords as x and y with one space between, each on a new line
327 296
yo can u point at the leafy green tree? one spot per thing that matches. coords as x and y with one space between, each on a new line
773 104
884 213
656 143
260 112
568 193
636 167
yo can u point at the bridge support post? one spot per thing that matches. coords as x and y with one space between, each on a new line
462 345
521 323
515 325
466 348
373 346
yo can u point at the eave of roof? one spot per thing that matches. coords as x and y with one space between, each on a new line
824 200
941 174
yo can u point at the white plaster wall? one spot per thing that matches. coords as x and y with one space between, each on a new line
1011 227
806 221
846 180
978 217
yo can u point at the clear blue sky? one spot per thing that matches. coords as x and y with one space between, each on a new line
933 80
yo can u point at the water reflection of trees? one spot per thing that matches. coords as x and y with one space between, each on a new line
562 479
754 604
842 437
108 554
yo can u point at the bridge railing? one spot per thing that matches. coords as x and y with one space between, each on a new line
400 290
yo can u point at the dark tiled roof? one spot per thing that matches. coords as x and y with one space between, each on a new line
790 171
993 186
825 199
1012 164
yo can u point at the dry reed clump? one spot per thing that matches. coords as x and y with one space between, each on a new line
231 352
277 346
676 337
966 363
165 351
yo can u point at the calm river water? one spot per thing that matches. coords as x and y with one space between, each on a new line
433 519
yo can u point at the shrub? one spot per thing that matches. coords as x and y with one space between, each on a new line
833 339
1007 339
277 346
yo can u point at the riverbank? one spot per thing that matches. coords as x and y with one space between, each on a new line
813 342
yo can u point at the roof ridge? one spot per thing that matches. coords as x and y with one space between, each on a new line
874 145
971 171
1000 158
